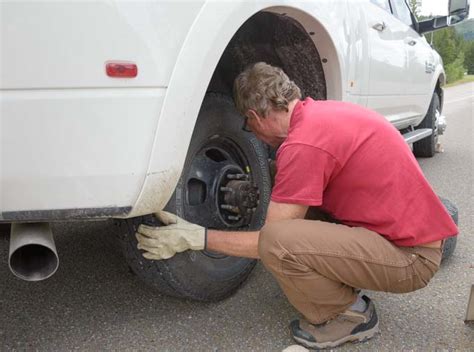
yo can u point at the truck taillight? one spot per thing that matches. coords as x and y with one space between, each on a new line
121 69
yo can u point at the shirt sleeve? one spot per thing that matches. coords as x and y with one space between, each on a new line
303 173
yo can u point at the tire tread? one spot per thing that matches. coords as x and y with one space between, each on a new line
426 147
450 243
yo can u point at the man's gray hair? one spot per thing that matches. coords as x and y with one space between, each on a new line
261 87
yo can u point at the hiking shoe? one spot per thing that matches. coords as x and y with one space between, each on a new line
347 326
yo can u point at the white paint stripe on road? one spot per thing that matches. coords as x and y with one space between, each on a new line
460 99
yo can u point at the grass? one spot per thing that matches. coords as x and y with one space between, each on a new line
466 79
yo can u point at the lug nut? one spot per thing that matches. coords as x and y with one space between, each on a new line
227 207
227 189
236 218
237 176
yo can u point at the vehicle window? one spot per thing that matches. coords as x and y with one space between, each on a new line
384 4
402 11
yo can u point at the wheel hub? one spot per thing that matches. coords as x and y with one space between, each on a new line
237 197
219 194
440 123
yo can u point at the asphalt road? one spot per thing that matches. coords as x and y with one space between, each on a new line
95 303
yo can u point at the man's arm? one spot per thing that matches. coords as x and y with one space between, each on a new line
245 243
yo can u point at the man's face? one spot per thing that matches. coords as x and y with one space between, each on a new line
267 129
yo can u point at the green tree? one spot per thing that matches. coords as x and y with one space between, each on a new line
445 45
451 46
469 57
455 70
414 8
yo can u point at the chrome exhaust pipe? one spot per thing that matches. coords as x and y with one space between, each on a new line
33 255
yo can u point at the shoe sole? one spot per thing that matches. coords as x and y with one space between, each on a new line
359 337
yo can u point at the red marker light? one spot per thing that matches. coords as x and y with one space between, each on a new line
121 69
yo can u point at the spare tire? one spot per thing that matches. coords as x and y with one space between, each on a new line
219 152
449 244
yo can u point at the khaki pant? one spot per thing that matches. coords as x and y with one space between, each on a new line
318 264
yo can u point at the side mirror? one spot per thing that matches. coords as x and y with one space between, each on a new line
458 11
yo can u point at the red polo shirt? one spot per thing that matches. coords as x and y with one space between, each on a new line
354 164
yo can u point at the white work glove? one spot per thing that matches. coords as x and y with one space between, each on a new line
165 241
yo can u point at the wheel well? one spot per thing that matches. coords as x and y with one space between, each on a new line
278 40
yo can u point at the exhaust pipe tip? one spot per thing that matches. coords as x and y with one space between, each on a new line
33 262
33 255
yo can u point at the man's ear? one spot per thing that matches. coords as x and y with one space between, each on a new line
252 113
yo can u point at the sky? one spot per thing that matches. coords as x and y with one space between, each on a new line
439 7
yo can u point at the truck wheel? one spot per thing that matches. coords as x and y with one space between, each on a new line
450 243
225 184
426 148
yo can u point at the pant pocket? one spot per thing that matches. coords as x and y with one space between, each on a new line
424 270
418 275
402 278
407 283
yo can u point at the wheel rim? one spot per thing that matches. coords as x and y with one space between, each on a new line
436 125
219 191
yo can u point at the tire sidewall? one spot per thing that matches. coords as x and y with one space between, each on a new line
427 146
450 243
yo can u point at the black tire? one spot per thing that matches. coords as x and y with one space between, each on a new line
426 148
450 243
202 275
